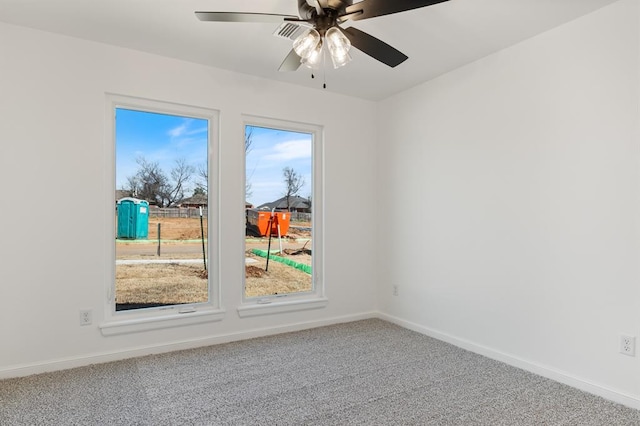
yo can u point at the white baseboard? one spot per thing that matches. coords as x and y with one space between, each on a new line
541 370
99 358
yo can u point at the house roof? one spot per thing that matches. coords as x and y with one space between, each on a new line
198 199
295 202
122 193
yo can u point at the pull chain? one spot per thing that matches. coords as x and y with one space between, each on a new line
324 71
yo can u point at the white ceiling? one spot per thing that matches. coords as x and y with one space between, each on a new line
437 39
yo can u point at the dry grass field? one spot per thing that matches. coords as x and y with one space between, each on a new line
161 284
180 283
173 283
176 228
279 279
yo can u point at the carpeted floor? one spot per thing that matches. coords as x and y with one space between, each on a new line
362 373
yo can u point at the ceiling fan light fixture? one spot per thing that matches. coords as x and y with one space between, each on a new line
314 59
308 43
340 61
339 46
324 17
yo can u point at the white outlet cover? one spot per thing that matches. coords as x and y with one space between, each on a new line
628 345
86 317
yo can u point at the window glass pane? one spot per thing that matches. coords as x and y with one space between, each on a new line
279 205
161 209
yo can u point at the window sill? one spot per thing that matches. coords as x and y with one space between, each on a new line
134 325
269 307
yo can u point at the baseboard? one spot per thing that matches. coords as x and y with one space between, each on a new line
100 358
541 370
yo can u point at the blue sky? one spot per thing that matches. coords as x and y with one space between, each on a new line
271 151
158 138
164 138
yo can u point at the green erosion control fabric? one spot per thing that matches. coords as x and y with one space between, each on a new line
300 266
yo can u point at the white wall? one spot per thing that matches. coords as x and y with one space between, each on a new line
510 190
514 186
53 258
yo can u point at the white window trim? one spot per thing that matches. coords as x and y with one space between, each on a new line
315 299
138 320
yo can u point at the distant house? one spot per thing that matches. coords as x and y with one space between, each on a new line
296 204
122 193
195 201
125 193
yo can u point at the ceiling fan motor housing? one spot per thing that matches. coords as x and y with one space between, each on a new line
337 7
329 19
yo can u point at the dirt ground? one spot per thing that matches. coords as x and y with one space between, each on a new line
174 228
161 284
279 279
173 283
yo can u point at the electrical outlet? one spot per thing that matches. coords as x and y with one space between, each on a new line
628 345
395 289
85 317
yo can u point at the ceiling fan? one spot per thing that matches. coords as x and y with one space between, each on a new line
320 22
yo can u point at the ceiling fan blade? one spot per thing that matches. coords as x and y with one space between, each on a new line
374 47
291 62
243 17
373 8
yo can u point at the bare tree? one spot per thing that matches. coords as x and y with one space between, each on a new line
152 184
203 172
199 190
149 182
248 141
293 184
180 177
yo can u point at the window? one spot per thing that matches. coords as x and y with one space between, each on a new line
283 216
164 213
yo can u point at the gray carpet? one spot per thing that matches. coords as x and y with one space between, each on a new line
362 373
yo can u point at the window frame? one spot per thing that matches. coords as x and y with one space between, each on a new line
316 298
136 320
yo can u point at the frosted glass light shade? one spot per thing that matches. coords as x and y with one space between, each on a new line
314 59
338 45
307 43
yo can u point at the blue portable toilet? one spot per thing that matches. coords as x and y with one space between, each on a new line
133 219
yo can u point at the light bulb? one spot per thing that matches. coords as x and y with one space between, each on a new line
307 43
339 46
315 57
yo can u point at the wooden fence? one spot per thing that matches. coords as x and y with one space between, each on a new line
187 212
191 212
194 212
300 217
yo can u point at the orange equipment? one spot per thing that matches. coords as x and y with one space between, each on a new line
259 219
